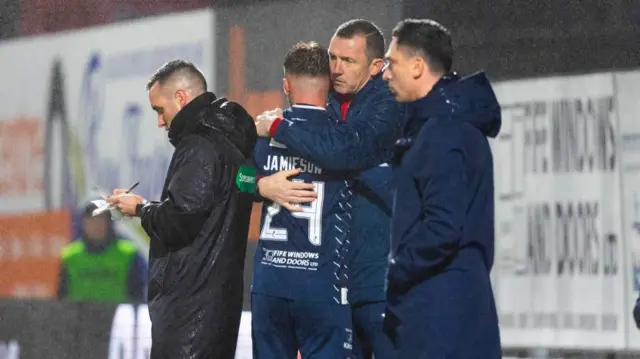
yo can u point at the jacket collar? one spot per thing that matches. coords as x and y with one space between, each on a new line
373 85
187 120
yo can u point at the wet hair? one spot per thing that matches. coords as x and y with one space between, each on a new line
178 67
375 46
429 39
307 59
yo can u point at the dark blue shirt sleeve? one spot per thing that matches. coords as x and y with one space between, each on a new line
442 183
356 144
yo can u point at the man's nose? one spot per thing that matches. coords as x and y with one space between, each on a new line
160 122
337 68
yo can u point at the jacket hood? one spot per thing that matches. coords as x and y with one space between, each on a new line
209 113
469 99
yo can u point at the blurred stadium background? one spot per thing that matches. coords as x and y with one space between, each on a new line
74 113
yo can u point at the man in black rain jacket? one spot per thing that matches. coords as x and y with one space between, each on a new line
199 229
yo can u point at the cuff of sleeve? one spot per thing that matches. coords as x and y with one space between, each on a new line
274 127
258 177
139 208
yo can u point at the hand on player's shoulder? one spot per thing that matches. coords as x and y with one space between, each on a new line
265 120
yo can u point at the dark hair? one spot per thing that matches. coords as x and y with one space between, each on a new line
428 37
307 59
367 29
172 67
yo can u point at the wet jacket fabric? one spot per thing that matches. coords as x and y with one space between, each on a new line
439 298
198 233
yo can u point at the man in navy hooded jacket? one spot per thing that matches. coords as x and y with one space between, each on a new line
368 123
440 302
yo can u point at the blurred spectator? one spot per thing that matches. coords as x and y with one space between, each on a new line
99 266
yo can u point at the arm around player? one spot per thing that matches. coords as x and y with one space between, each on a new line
362 142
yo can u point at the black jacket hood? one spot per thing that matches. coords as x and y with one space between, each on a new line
209 113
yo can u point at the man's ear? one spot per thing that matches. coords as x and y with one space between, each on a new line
285 86
376 66
418 67
181 97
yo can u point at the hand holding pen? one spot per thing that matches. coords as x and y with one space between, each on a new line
126 201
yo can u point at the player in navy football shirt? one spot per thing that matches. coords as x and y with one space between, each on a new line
299 283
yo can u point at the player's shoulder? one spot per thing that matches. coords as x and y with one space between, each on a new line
302 108
267 155
262 144
302 112
269 146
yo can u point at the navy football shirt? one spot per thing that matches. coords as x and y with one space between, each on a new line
301 255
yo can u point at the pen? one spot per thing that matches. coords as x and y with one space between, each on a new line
133 186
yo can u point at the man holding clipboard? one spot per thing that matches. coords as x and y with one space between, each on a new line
198 229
